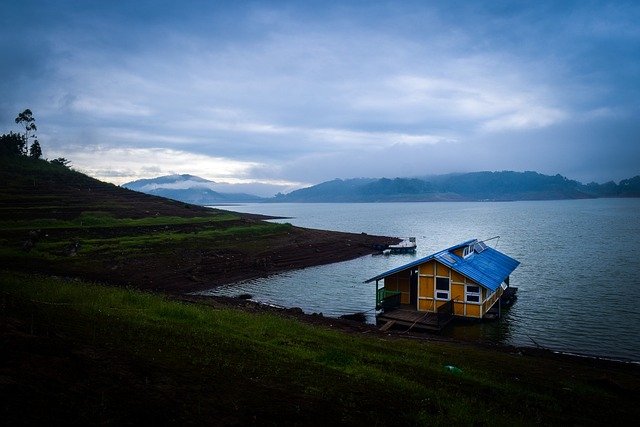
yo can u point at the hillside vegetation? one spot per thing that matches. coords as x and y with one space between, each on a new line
59 221
77 350
477 186
84 354
37 189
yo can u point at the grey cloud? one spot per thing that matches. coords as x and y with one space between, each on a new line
307 92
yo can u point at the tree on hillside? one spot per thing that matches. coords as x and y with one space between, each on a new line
61 161
12 144
27 121
35 152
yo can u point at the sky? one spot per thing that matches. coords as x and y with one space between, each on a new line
279 95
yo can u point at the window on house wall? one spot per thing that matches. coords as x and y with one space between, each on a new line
442 288
472 293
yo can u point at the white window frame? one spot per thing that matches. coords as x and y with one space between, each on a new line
468 250
468 293
441 294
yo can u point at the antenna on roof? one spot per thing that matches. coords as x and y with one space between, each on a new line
491 238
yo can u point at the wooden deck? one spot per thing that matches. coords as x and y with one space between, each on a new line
413 319
410 318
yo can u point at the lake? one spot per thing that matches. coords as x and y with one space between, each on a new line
578 277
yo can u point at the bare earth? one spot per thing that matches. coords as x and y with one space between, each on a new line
204 268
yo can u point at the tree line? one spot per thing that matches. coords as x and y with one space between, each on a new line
474 186
25 144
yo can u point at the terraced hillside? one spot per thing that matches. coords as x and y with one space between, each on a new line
59 221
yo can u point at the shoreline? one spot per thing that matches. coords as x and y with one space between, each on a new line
349 326
200 270
199 264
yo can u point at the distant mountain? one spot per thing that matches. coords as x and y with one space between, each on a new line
189 189
477 186
176 181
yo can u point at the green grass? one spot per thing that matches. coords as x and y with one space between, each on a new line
364 380
129 236
93 219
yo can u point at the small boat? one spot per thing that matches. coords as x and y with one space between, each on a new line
407 246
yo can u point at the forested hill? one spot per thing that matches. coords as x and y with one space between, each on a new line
477 186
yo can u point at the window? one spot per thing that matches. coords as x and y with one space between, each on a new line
442 288
472 293
467 251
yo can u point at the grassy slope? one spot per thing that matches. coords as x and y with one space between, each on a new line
122 232
93 355
121 356
37 189
48 211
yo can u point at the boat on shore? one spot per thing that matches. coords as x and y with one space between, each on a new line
407 246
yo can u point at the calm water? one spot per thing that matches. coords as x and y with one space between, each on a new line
578 279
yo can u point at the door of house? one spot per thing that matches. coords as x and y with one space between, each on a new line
413 289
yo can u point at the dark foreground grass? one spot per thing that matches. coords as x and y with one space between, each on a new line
81 353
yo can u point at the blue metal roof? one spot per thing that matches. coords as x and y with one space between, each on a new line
418 262
486 266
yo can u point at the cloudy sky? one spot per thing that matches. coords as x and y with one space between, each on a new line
292 93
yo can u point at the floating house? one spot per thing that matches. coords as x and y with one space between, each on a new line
467 280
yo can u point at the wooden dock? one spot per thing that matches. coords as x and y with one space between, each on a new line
413 319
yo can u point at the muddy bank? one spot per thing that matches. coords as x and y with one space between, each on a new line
203 256
195 269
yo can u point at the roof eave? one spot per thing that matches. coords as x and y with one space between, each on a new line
491 283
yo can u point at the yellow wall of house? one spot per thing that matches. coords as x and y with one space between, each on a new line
399 282
426 290
425 304
425 287
441 303
457 277
493 299
426 268
458 309
456 291
472 310
442 270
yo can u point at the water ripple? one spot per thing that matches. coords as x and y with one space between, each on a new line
577 279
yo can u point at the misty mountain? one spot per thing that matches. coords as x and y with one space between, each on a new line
189 189
477 186
168 181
